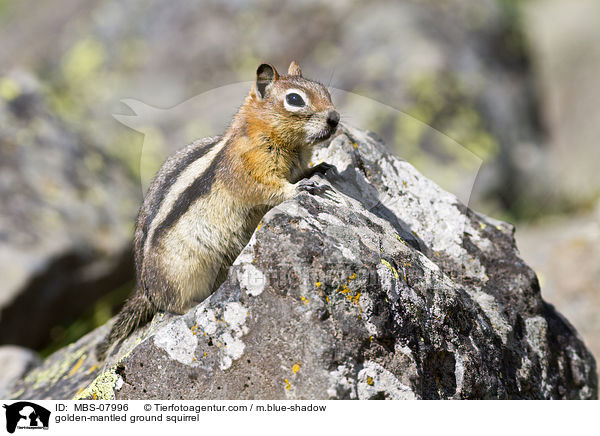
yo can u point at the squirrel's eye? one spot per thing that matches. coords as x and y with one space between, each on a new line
294 99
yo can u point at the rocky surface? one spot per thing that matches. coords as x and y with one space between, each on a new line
65 221
384 286
564 251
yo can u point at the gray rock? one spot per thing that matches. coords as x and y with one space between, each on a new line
565 251
384 286
65 220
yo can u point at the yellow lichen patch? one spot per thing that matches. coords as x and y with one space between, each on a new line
288 386
354 144
482 225
389 265
16 394
344 289
318 284
77 366
304 300
370 381
327 299
9 89
260 224
92 369
102 387
296 368
352 277
83 60
49 375
400 239
353 299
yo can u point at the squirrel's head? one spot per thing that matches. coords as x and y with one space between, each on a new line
294 110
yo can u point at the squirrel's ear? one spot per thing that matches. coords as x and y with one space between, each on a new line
265 75
294 69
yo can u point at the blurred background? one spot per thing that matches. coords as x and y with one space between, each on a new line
502 94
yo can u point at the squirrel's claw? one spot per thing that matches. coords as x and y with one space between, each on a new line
315 188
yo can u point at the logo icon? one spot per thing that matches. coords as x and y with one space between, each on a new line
26 415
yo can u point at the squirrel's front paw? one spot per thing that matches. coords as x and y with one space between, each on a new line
313 187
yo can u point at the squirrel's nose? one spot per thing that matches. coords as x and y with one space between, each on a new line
333 118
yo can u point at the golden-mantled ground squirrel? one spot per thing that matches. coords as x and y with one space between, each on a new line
207 199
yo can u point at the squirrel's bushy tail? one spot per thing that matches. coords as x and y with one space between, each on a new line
138 310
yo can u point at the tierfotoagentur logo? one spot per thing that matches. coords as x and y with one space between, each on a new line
26 416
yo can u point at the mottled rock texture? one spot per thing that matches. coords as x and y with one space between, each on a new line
384 286
565 253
